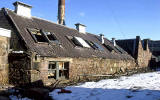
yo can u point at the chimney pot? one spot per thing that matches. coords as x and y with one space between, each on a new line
81 28
23 9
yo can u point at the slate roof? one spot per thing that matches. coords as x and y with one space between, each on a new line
127 45
154 47
67 49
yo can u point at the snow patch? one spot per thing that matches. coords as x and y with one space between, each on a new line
137 87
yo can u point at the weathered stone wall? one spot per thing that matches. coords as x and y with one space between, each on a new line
143 55
19 69
80 66
95 66
4 47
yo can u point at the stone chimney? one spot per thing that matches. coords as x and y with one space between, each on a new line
61 12
81 28
102 38
22 9
146 44
114 41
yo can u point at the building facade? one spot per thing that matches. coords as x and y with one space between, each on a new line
46 51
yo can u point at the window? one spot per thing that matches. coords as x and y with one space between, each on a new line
77 41
98 46
81 42
52 70
37 35
119 49
108 47
42 36
58 70
50 36
94 45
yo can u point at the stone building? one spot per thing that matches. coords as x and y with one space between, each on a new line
154 47
4 50
46 51
138 49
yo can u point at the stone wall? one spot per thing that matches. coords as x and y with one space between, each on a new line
143 54
19 69
80 67
4 47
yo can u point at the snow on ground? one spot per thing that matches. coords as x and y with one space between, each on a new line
16 98
137 87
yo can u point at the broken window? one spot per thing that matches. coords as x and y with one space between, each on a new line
52 70
50 36
43 36
37 35
58 70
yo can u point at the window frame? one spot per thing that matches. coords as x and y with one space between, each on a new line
59 72
34 37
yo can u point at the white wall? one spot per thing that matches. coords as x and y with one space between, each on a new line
23 11
82 29
5 32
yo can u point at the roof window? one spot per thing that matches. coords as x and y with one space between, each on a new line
108 47
94 45
37 35
50 36
119 49
42 36
80 42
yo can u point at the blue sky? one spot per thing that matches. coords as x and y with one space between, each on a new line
114 18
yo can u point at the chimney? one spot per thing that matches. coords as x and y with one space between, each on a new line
22 9
61 12
114 41
102 38
146 44
81 28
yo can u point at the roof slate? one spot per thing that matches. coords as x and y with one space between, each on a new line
66 49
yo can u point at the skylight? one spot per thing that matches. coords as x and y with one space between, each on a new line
81 42
37 35
108 47
50 36
94 45
98 46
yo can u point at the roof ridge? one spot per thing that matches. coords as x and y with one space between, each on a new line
125 39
